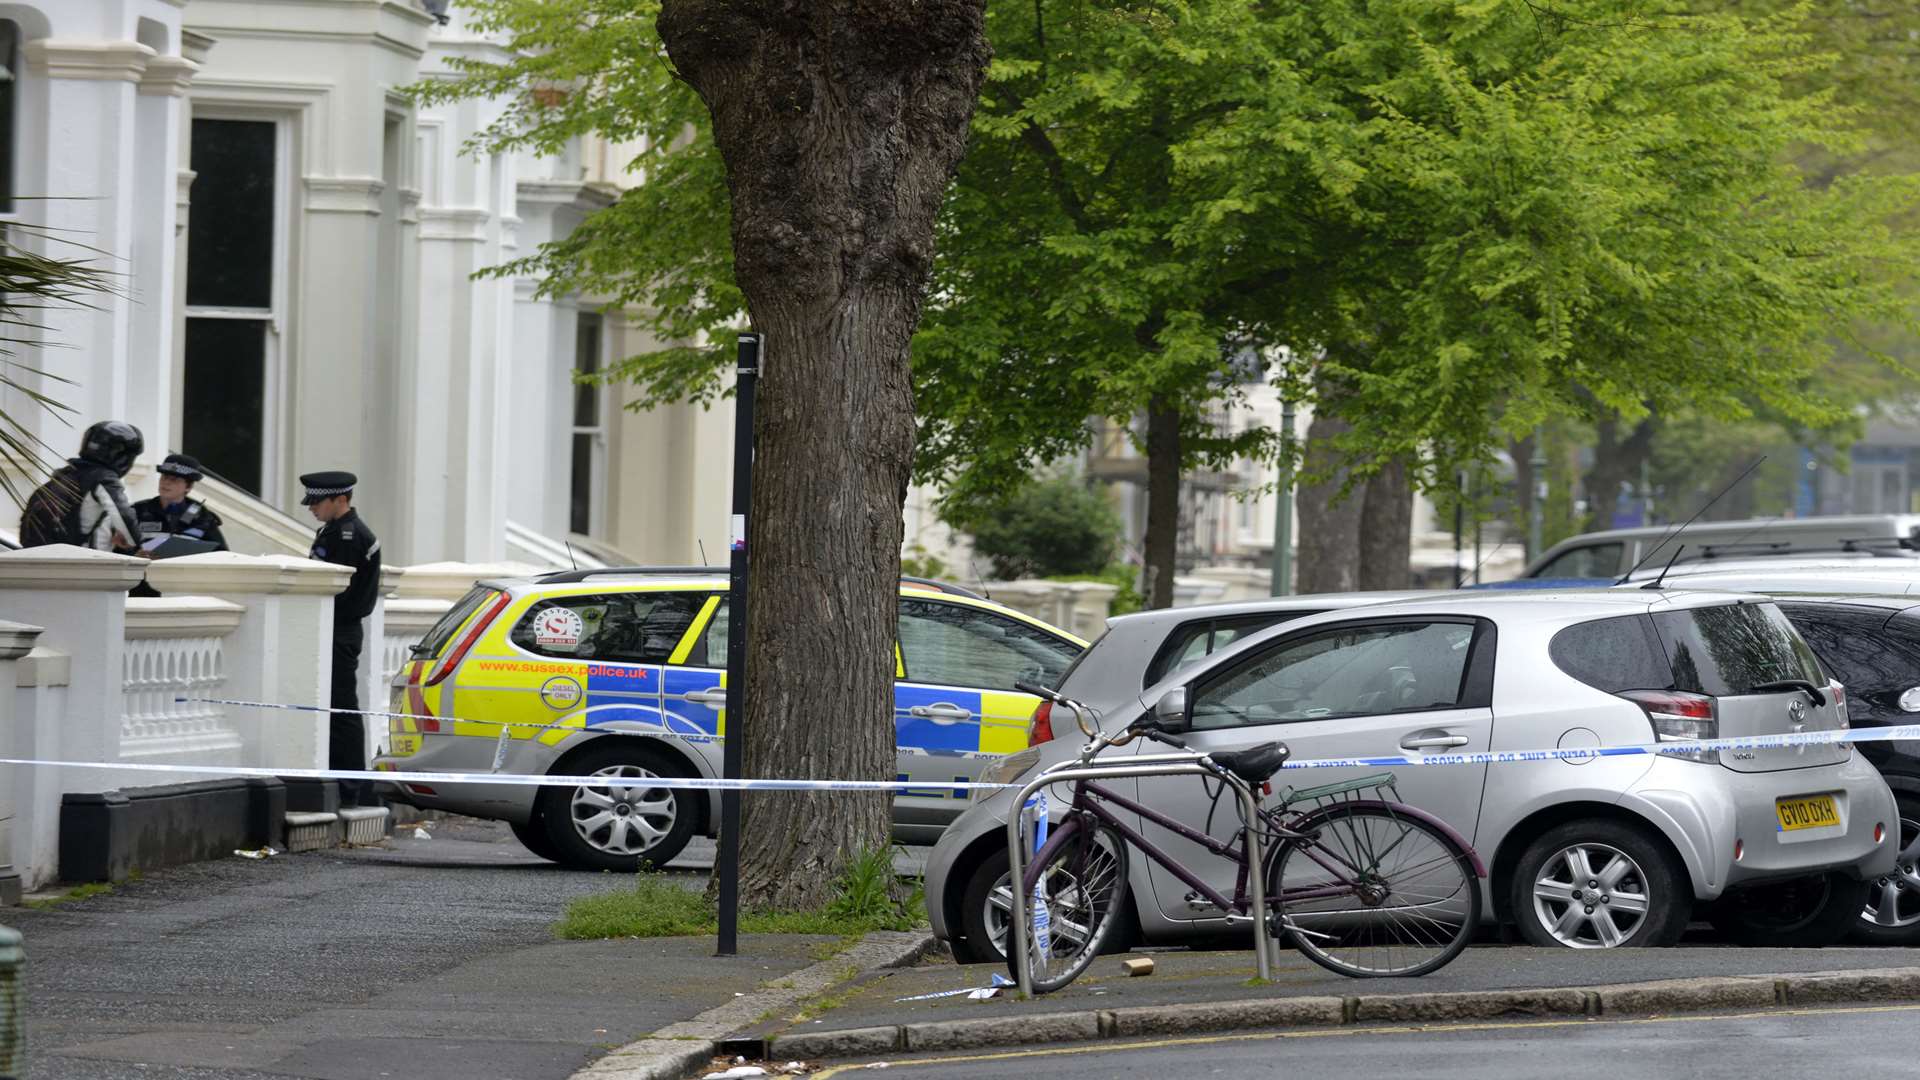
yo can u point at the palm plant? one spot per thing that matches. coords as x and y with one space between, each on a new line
31 283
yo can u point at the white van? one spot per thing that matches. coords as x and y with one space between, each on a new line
1612 553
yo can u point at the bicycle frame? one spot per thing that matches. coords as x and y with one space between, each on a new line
1150 765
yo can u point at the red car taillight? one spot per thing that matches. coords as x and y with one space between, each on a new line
1679 716
459 653
1042 729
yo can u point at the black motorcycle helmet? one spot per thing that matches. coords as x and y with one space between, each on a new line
113 443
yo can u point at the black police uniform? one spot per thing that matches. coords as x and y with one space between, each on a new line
189 518
346 541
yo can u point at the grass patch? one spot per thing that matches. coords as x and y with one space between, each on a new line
869 897
78 892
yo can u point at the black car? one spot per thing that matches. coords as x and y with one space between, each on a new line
1871 644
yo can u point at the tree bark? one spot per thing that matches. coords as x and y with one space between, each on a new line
840 122
1616 461
1163 501
1329 532
1386 529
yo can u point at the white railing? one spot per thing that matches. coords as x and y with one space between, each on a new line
176 648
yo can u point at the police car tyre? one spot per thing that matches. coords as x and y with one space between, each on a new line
624 825
1891 915
532 835
1800 913
1635 892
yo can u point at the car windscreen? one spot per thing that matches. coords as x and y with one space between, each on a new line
1194 641
442 632
1730 649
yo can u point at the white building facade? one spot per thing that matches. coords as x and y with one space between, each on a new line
296 242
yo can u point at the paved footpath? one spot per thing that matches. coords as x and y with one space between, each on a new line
431 960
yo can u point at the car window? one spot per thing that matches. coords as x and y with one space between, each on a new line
1591 561
1621 653
1854 646
632 627
1352 671
953 645
1729 649
1193 642
436 639
711 649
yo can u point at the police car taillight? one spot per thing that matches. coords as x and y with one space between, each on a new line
1042 729
459 653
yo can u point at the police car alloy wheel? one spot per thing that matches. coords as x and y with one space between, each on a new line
624 823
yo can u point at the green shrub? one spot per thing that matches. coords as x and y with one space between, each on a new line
1046 528
1122 577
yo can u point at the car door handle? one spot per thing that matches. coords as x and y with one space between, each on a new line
717 697
940 711
1425 741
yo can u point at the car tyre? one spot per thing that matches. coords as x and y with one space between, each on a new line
625 825
976 943
1891 915
532 835
1800 913
1635 893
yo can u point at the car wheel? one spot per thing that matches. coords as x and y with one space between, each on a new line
1892 914
532 835
623 824
1800 913
1600 885
985 905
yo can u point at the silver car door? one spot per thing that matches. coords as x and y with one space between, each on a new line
1416 685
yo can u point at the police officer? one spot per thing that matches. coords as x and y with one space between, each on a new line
345 540
172 513
83 502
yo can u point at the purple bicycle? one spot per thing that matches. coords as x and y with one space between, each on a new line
1362 883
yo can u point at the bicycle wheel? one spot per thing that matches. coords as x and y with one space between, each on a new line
1374 892
1086 890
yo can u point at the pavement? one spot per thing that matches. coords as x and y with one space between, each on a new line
1212 991
427 959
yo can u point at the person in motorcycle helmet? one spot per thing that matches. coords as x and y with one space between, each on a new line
83 503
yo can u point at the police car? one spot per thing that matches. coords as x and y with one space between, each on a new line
618 673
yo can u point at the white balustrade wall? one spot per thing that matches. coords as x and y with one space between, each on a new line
175 649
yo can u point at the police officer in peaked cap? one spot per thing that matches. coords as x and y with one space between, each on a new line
173 512
345 540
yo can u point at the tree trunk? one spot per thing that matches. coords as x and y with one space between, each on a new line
1386 529
1329 525
1616 462
1163 501
840 122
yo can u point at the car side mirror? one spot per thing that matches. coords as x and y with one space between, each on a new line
1910 700
1170 713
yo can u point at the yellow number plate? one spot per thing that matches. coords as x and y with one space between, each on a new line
1806 812
403 745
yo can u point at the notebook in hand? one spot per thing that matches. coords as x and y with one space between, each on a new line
175 546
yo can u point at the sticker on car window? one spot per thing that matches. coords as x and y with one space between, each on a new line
558 627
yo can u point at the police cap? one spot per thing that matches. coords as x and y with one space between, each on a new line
182 466
325 485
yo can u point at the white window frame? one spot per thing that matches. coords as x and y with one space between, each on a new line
273 411
597 457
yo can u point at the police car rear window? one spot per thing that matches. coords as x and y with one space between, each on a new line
630 627
442 632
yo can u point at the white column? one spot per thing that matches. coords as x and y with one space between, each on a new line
16 640
156 195
92 165
79 596
282 651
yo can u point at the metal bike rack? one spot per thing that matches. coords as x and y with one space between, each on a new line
1146 765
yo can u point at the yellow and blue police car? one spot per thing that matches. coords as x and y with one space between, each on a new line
619 673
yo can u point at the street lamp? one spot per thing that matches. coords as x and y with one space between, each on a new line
1283 506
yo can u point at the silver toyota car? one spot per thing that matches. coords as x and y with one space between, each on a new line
1589 852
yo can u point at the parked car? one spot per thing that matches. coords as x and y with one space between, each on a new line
1598 556
1144 647
1588 852
643 653
1876 578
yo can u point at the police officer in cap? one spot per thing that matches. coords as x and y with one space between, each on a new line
345 540
172 513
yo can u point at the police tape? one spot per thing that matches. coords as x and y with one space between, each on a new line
1787 741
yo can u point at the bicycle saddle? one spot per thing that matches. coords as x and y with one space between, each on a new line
1254 765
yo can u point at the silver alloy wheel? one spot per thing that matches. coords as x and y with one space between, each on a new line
624 818
1591 896
1894 900
1068 907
